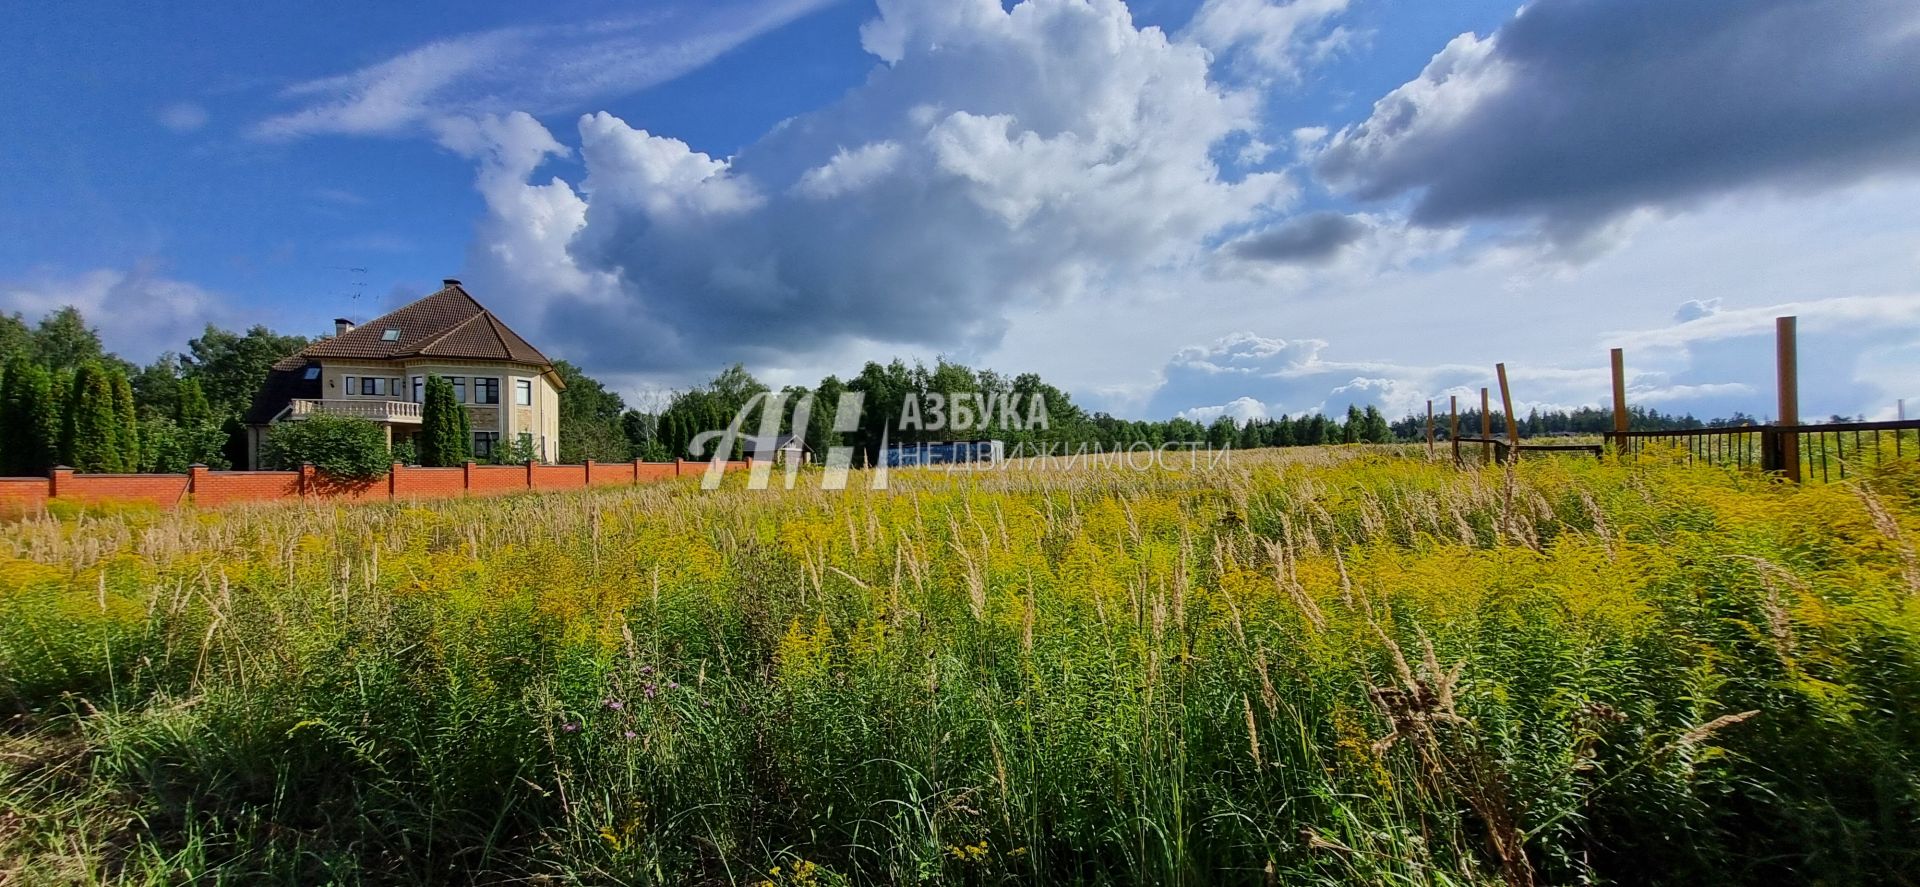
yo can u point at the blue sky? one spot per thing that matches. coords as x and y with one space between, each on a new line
1238 205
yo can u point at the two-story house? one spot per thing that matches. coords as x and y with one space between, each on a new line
378 370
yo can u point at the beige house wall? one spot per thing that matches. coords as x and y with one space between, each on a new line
539 419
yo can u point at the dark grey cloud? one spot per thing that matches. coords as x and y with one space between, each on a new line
1579 110
1312 239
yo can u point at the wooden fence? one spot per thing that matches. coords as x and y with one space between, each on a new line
1788 448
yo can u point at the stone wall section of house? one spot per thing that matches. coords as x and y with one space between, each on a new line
205 488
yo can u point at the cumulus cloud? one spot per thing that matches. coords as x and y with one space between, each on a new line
533 68
1577 112
139 313
182 117
998 158
1240 409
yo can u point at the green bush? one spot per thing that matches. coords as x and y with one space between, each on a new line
344 447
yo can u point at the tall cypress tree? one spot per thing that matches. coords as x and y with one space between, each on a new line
88 440
191 409
446 432
126 428
28 419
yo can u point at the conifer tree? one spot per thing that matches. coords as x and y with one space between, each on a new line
88 440
446 432
191 409
126 427
28 419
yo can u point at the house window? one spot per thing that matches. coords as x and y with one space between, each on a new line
419 389
486 390
373 386
459 388
523 392
312 373
390 335
348 389
485 443
393 387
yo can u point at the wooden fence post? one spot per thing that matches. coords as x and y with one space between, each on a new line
1453 425
1429 427
1486 429
1787 362
1506 401
1619 398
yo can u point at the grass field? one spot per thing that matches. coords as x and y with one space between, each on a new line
1332 666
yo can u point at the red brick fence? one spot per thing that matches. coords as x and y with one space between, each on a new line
203 487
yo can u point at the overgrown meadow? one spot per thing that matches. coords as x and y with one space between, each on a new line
1333 666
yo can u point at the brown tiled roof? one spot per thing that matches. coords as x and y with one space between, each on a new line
448 324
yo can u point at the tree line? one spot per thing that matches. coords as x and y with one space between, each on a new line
64 399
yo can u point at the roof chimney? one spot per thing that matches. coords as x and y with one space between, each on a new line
342 326
450 281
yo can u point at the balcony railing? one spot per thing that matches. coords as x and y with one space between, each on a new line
377 410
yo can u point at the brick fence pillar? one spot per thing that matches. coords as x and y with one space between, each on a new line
393 482
57 480
466 476
309 480
530 474
196 476
636 471
586 474
678 465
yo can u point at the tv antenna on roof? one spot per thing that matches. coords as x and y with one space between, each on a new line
358 283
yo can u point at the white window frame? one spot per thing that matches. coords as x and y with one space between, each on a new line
523 392
349 386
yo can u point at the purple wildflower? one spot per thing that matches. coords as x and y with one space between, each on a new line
649 690
570 727
629 734
615 705
673 685
646 669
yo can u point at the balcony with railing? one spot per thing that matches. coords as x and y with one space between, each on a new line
378 410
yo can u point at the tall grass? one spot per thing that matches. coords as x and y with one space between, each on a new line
1332 667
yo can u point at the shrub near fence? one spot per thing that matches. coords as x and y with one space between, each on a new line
204 487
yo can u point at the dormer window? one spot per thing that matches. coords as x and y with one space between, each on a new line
390 335
312 373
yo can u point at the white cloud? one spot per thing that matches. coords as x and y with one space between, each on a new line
541 69
138 312
182 117
1240 409
1275 38
1000 158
